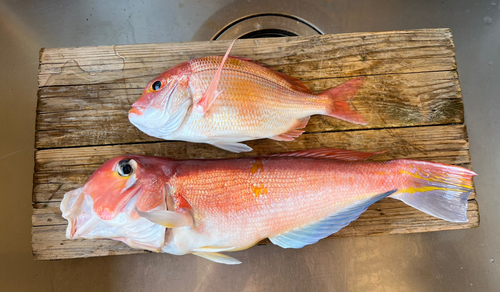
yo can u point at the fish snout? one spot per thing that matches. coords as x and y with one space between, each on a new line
137 110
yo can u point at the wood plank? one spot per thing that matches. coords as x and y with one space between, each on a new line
60 170
97 114
388 216
50 243
301 57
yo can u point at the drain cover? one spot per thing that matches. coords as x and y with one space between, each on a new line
266 26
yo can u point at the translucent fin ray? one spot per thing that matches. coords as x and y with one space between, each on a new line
211 93
294 133
218 258
233 147
437 189
312 233
169 219
329 153
339 97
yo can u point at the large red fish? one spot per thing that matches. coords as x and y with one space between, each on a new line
226 100
209 206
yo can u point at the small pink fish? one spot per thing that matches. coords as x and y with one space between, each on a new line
208 206
226 100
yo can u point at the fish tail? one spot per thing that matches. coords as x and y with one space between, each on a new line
339 97
437 189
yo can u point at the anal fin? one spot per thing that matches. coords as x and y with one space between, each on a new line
218 258
312 233
294 133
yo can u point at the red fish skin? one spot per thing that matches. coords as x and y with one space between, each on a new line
248 199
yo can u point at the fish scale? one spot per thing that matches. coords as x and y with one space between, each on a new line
332 186
248 100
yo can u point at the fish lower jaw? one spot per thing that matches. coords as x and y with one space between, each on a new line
74 231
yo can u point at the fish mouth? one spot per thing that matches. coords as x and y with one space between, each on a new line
137 110
77 208
140 121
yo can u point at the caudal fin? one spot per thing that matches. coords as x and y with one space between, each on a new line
339 97
437 189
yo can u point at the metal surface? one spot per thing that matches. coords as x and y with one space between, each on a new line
466 260
266 25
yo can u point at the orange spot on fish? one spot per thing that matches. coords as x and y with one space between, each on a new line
256 166
259 190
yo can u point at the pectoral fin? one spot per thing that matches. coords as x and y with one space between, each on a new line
211 94
169 219
218 258
233 146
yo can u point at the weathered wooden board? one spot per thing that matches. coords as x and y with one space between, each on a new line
94 114
411 99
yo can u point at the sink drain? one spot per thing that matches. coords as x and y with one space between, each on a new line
266 26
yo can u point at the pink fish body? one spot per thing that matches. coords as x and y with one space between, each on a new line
226 100
205 207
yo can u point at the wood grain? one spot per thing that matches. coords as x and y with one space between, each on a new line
60 170
301 57
97 114
387 216
411 99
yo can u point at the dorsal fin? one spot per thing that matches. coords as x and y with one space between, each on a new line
248 66
243 58
329 153
290 82
294 83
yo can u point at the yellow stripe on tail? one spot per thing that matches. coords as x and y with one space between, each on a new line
437 189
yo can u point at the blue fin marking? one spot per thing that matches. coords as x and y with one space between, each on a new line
310 234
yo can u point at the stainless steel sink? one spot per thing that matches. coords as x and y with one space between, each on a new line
266 25
466 260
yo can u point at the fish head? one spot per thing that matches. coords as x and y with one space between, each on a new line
106 206
164 103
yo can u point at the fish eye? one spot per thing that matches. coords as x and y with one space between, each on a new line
126 167
156 85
